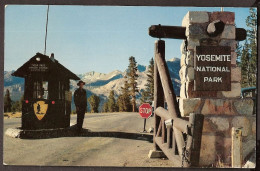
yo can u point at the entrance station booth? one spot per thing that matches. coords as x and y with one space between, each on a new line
47 95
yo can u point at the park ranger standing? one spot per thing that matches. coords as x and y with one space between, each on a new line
80 100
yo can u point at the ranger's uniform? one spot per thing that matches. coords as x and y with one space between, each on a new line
80 100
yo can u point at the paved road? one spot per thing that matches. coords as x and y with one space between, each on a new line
85 151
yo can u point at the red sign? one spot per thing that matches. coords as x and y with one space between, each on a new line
145 110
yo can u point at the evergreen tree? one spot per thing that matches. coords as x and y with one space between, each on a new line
147 94
239 53
112 102
123 103
245 57
21 103
132 78
7 102
94 101
120 103
251 22
249 53
144 96
15 107
123 100
105 107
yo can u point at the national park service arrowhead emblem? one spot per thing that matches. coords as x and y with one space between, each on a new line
40 109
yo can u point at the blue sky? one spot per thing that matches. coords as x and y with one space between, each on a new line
93 38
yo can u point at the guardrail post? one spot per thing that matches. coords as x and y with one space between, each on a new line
158 89
196 121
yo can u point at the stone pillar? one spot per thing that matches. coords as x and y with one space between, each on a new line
222 109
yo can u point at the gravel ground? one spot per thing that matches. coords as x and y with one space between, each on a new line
85 151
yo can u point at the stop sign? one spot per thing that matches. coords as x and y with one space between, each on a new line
145 110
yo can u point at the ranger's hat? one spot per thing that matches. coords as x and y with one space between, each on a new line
81 82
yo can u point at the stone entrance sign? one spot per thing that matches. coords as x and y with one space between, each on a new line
212 68
211 85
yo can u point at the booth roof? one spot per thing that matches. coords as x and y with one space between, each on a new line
54 66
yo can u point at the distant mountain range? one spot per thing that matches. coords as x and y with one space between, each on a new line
99 83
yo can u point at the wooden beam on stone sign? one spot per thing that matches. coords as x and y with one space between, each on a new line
175 32
178 32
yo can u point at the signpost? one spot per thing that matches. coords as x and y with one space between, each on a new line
212 68
145 110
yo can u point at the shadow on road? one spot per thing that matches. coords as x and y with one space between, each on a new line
72 132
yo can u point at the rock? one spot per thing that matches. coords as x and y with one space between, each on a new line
195 17
231 43
233 58
192 43
248 147
209 42
225 17
254 127
207 150
188 106
223 148
150 130
186 74
218 107
190 58
196 31
251 163
241 121
156 154
235 91
208 127
182 74
215 147
190 74
235 74
244 106
183 60
221 123
183 91
229 32
13 132
183 48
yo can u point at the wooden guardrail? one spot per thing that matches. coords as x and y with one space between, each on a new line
178 138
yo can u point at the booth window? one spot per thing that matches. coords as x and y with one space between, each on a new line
61 91
40 90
